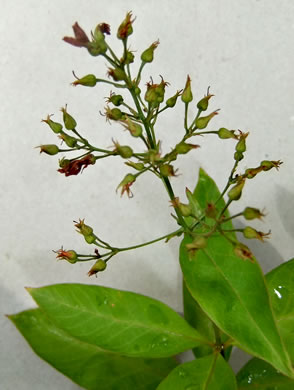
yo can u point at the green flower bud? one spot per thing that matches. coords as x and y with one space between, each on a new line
252 213
134 128
83 229
148 54
69 140
202 122
203 103
194 204
241 145
187 95
249 232
99 266
167 170
96 48
171 102
55 126
117 100
117 74
69 121
185 209
183 147
129 58
87 81
123 151
137 166
137 91
64 162
266 165
236 191
49 149
90 239
70 256
126 183
125 29
238 156
114 114
224 133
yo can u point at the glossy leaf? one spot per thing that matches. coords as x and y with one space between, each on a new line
280 283
118 321
232 291
210 373
88 365
259 375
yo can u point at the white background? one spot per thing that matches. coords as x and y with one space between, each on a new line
242 49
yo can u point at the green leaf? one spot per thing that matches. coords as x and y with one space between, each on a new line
259 375
210 373
87 365
196 317
232 292
118 321
280 283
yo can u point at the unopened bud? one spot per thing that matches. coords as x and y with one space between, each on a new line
194 204
202 122
116 100
55 126
183 147
249 232
128 58
137 166
203 103
185 209
224 133
87 81
171 102
236 191
69 121
252 213
126 183
69 140
117 74
134 128
238 156
99 266
49 149
187 95
167 170
70 256
266 165
148 54
83 229
124 151
125 29
114 114
241 144
90 238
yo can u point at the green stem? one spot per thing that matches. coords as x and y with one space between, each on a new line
139 73
229 182
150 242
186 118
117 85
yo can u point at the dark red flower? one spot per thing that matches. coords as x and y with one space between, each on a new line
76 166
80 39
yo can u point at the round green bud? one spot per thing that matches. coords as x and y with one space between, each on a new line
49 149
224 133
90 238
125 151
117 100
69 121
87 81
99 266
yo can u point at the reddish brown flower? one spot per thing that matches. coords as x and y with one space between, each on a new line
75 167
80 39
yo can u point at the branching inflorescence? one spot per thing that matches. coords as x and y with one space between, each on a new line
139 119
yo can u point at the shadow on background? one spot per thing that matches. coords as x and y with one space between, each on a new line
285 206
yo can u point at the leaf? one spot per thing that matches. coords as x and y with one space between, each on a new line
88 365
196 317
232 291
280 283
259 375
118 321
210 373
